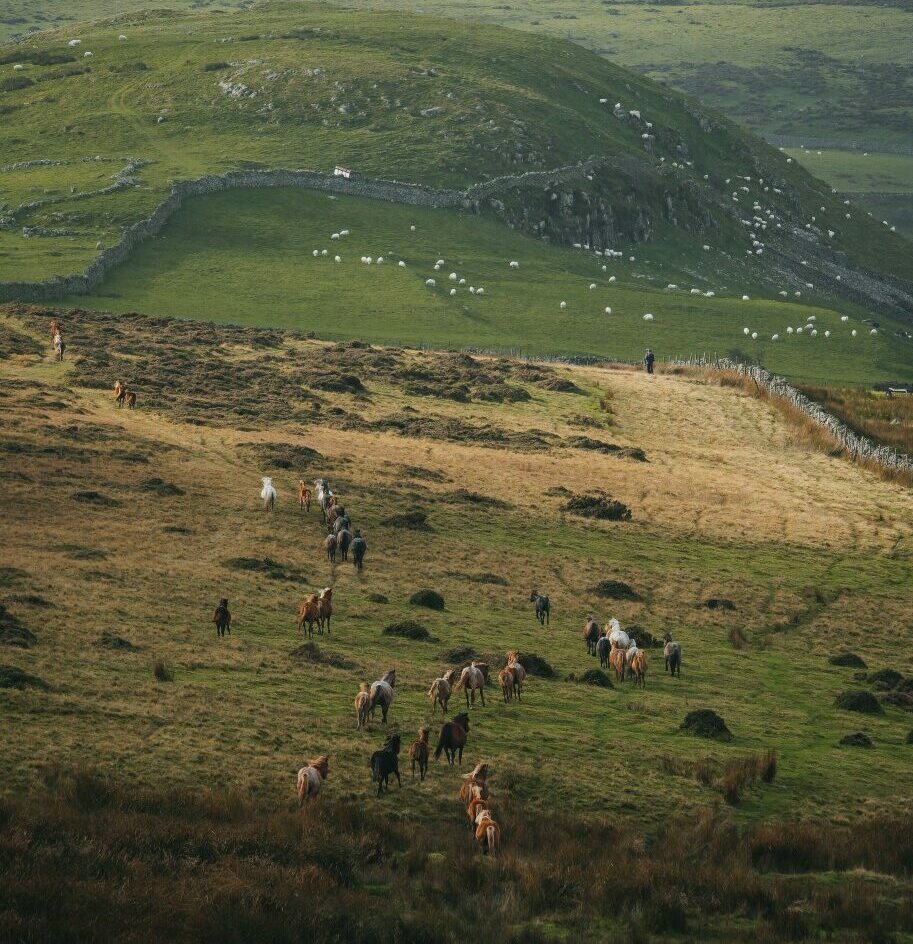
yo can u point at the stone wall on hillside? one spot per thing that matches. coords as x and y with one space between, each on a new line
378 189
860 447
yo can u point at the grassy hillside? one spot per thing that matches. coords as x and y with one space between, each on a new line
414 98
247 258
728 504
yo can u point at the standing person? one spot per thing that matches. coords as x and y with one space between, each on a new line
649 358
358 548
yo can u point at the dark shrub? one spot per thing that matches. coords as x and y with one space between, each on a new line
110 641
161 671
460 655
614 590
536 665
910 737
718 603
13 632
847 660
706 723
15 82
95 498
864 702
13 677
600 507
408 629
268 567
412 520
311 652
885 679
161 488
427 598
378 598
215 66
595 677
856 740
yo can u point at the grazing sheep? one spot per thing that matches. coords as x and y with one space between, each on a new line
514 264
401 264
648 317
563 305
608 310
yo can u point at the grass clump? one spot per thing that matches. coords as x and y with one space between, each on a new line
408 629
92 497
594 677
13 677
536 665
615 590
739 775
410 520
860 701
885 679
706 723
847 660
600 507
430 599
856 740
13 632
109 640
162 672
270 568
161 488
311 652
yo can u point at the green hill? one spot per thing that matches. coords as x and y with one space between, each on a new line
412 98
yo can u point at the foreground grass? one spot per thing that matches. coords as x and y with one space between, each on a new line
246 258
90 859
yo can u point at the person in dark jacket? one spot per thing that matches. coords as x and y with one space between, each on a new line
649 358
358 548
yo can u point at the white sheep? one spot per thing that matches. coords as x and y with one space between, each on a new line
335 236
401 264
452 292
412 228
844 318
745 298
87 55
671 285
592 286
746 331
453 276
799 330
789 330
853 333
709 294
380 260
343 232
323 252
827 334
18 67
705 247
74 42
695 291
430 283
814 333
784 293
317 253
440 262
563 305
775 337
648 317
611 278
461 282
480 290
873 332
608 310
514 264
605 268
337 258
121 38
437 267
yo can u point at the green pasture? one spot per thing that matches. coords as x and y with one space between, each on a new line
246 257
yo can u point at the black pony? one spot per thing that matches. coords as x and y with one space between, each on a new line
452 738
542 607
222 618
385 762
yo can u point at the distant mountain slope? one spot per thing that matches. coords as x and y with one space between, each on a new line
432 101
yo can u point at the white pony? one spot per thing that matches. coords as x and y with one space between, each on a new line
629 655
472 680
311 778
268 494
617 634
382 693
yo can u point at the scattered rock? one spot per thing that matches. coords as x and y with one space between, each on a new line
428 598
614 590
118 643
13 632
847 660
856 740
600 507
408 629
13 677
855 700
411 520
706 723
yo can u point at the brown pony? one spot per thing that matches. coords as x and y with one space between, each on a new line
440 691
475 784
617 661
418 752
488 833
55 328
362 706
304 496
476 805
130 399
639 668
325 609
513 663
329 542
506 681
311 778
452 738
120 392
309 612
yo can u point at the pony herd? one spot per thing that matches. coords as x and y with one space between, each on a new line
617 649
316 608
340 538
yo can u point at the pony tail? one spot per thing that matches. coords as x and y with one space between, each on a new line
490 834
440 746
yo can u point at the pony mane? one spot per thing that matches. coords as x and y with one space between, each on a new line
321 765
